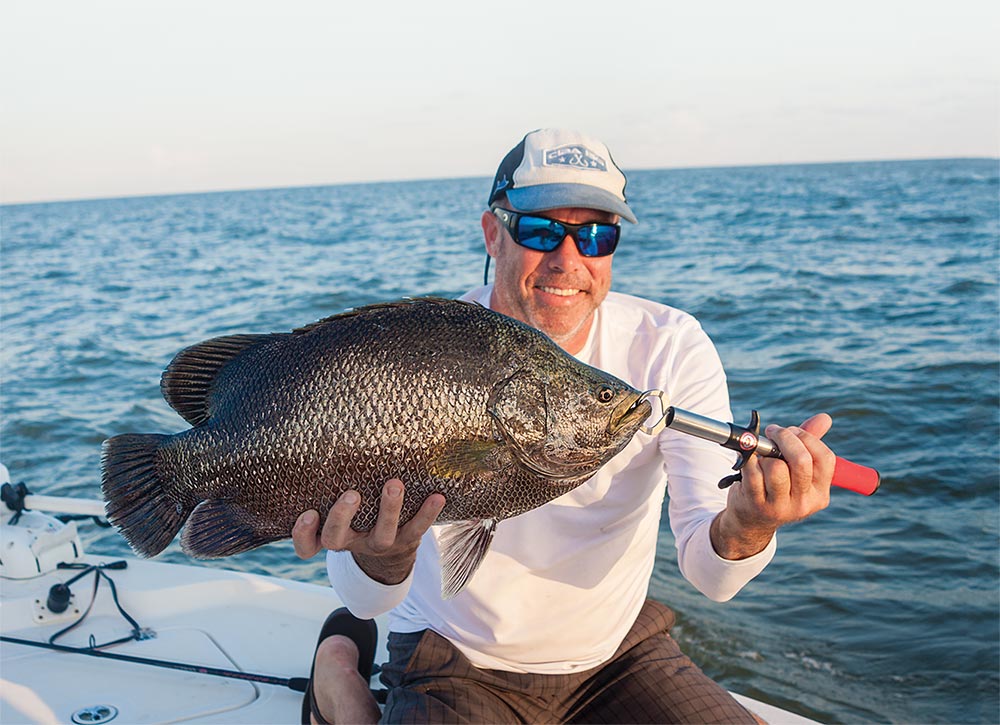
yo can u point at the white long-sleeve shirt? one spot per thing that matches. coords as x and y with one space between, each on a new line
562 584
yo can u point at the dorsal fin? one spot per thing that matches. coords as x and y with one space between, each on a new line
187 382
378 306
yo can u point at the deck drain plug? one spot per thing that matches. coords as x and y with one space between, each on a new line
95 715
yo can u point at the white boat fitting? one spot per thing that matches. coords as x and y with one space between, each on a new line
189 643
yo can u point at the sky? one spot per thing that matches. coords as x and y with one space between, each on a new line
107 98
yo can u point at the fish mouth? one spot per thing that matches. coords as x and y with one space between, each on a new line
632 412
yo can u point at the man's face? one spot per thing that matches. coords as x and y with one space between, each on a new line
555 292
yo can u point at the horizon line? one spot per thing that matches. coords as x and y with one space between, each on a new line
193 192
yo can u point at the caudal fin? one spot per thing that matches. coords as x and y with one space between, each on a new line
136 498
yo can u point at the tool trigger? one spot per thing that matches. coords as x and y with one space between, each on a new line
748 441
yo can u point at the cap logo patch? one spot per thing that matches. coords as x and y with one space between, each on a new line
574 155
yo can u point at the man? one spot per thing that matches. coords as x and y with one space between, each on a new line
555 624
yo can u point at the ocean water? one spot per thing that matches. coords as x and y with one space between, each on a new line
866 290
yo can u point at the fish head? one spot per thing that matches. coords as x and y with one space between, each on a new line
567 422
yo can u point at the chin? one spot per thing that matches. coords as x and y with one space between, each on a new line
556 326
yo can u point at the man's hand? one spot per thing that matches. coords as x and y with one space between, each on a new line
388 551
776 492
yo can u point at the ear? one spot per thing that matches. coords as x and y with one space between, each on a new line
492 232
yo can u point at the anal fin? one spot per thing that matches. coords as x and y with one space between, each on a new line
463 546
220 528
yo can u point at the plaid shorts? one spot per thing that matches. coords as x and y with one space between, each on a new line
648 680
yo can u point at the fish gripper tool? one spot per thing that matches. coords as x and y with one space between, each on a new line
746 441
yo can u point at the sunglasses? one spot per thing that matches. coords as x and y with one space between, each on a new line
594 239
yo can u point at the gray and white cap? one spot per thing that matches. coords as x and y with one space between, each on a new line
552 168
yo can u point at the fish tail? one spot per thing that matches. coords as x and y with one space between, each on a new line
137 497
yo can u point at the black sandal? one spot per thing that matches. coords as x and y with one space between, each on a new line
363 633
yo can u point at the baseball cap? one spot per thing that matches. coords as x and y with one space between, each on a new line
554 167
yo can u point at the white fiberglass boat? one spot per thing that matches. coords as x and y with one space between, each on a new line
98 639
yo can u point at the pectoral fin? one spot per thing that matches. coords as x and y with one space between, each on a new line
463 546
467 458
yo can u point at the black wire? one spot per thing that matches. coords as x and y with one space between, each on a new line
99 573
93 598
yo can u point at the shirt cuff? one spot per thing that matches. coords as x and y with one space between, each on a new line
362 595
717 578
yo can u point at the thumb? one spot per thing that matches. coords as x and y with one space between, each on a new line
818 425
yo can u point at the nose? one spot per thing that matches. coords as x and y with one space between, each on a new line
565 257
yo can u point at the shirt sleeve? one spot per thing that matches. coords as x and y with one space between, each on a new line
362 595
696 382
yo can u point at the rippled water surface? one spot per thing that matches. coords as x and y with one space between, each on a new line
866 290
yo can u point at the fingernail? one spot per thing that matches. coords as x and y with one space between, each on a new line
308 518
351 497
393 490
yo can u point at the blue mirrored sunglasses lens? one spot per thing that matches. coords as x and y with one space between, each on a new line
542 235
597 240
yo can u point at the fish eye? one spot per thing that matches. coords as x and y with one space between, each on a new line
606 395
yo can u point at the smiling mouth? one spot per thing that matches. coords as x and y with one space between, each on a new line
559 291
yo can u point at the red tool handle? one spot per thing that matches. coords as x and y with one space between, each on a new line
854 477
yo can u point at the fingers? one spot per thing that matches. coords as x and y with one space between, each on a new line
305 535
383 534
752 486
804 477
823 460
388 534
796 471
416 527
811 455
337 532
818 425
385 538
779 491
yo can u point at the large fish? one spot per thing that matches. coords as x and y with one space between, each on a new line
447 396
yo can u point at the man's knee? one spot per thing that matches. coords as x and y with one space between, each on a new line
337 653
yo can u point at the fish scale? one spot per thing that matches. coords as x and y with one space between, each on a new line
447 396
